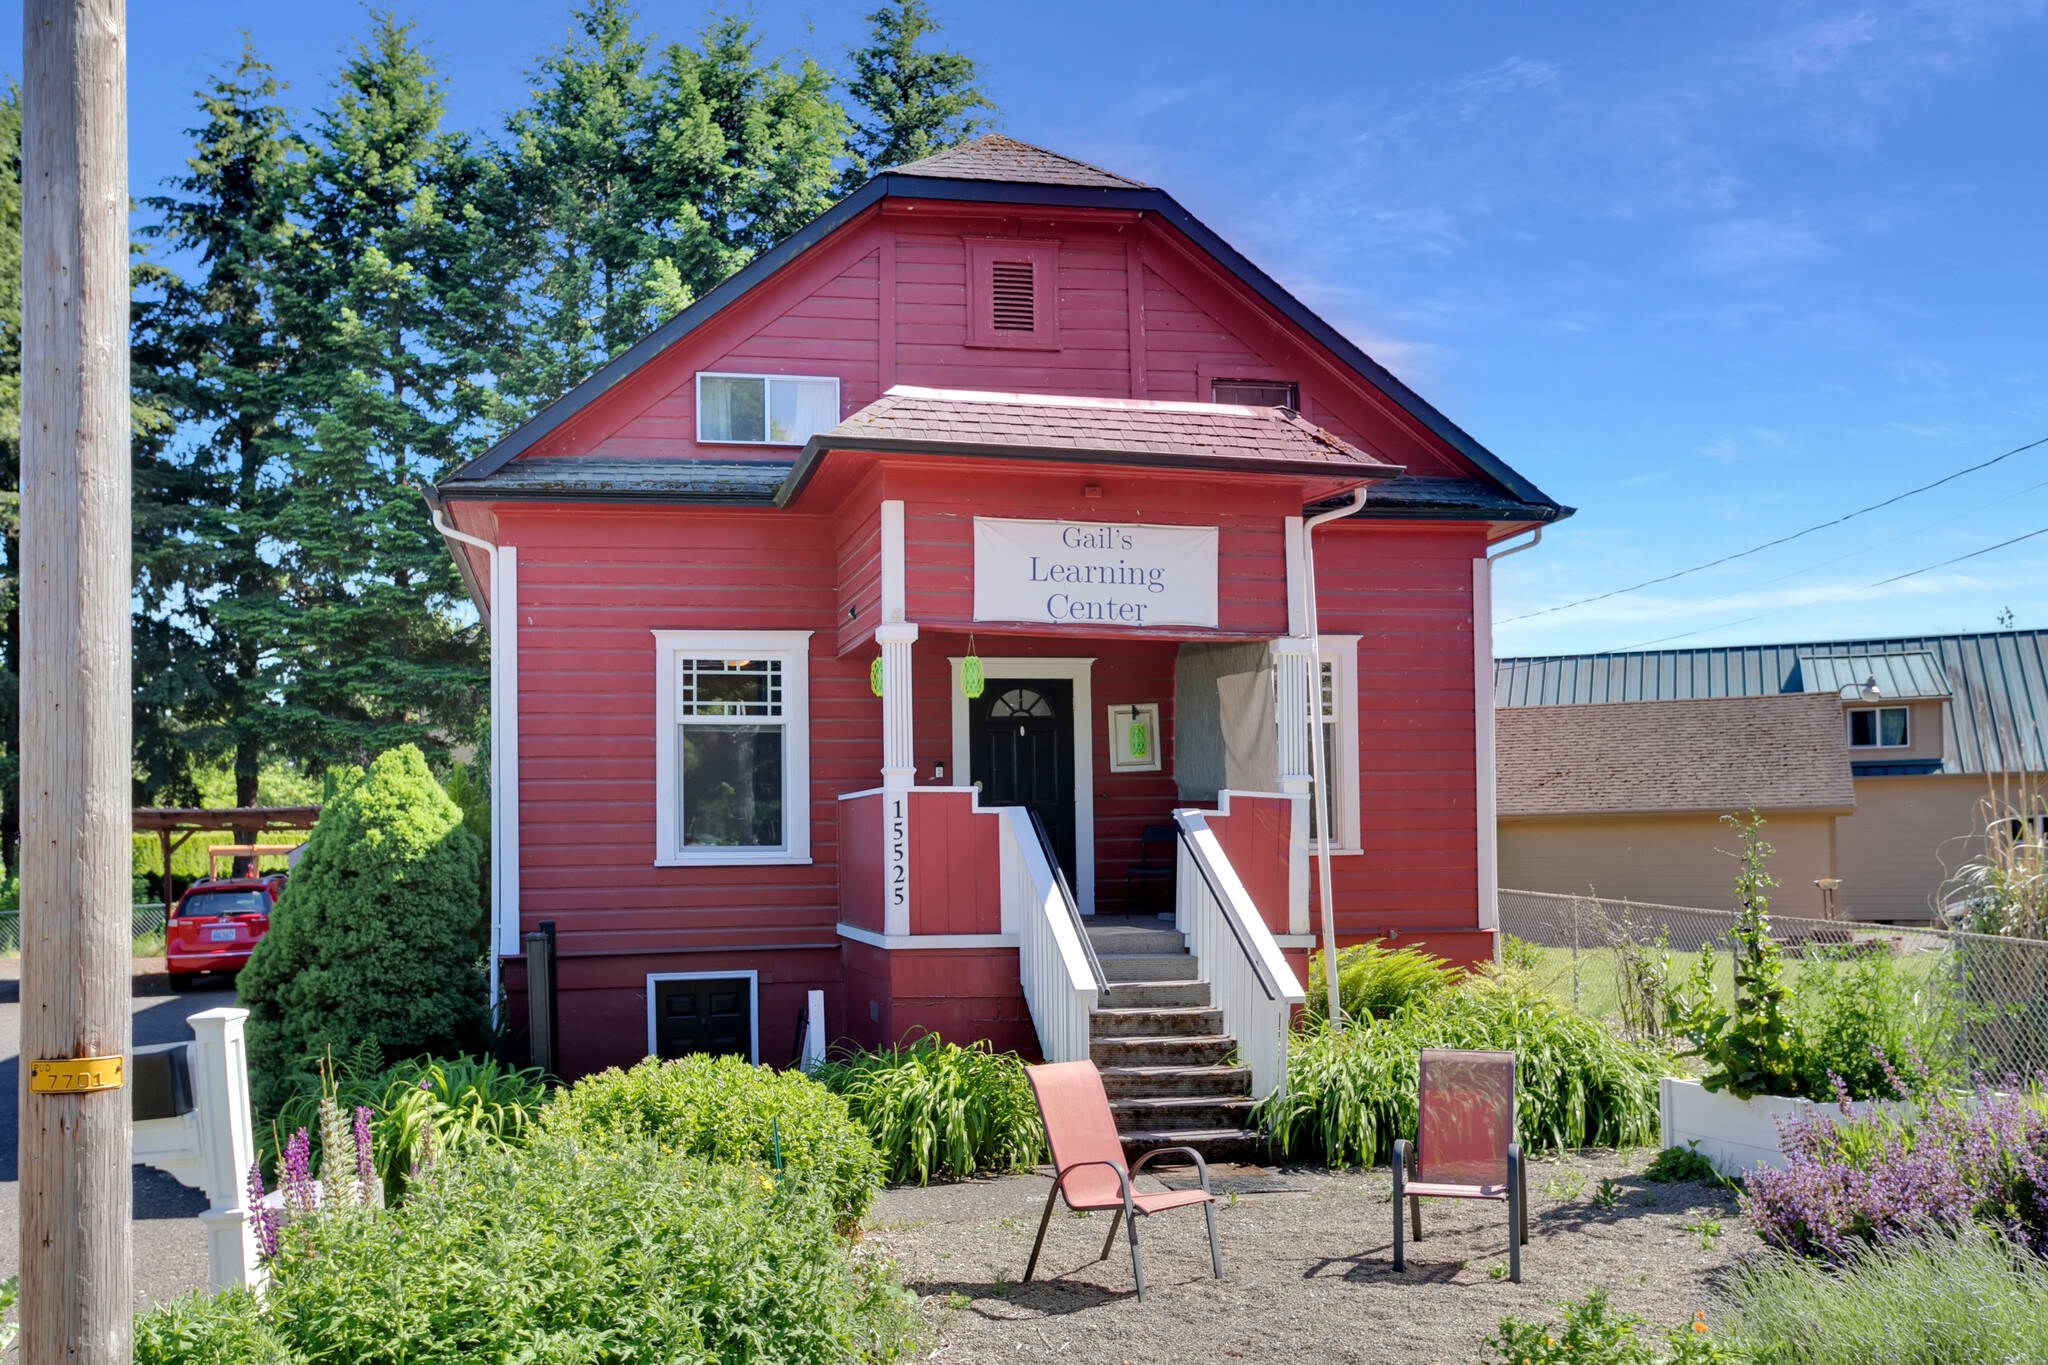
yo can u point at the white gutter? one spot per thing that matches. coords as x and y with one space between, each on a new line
504 737
1528 544
1315 743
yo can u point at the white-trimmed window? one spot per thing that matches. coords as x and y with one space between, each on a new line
765 409
732 747
1880 727
1338 732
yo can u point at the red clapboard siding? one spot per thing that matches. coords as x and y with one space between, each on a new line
955 866
1255 837
860 862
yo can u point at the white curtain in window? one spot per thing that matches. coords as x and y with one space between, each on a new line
801 408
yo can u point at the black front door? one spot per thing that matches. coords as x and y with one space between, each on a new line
1023 753
704 1014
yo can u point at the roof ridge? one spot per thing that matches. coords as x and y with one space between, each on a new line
996 157
1076 400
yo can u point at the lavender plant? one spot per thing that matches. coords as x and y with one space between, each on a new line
1858 1181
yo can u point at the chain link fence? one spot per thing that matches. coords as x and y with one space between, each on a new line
148 920
1592 951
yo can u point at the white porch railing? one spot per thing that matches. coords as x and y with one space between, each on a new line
1052 959
1235 953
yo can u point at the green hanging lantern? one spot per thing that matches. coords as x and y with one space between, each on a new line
875 676
971 681
1141 740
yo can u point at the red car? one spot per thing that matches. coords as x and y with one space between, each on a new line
216 924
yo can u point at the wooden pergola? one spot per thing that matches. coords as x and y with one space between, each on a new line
174 825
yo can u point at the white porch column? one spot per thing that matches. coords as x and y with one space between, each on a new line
1295 715
899 765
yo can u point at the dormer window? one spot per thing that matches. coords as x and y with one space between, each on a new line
1013 293
1880 727
765 409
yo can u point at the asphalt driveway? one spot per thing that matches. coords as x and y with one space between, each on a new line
170 1244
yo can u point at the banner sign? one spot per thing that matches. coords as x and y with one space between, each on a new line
1094 573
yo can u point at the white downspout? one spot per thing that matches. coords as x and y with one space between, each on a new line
1315 744
1485 753
442 525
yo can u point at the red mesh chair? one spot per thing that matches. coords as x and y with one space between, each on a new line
1464 1144
1088 1162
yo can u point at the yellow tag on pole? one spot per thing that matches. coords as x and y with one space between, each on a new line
75 1074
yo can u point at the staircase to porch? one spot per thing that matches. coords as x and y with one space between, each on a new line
1161 1047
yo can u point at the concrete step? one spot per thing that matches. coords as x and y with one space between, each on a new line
1160 1051
1215 1145
1149 1082
1134 995
1125 967
1178 1112
1180 1021
1135 934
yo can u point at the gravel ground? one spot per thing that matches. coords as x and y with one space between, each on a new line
170 1242
1307 1260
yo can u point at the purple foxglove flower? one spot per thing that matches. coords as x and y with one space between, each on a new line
296 1172
366 1165
262 1218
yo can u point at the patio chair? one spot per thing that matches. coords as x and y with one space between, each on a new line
1088 1163
1464 1144
1145 872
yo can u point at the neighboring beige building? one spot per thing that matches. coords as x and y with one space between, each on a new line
1627 799
1879 763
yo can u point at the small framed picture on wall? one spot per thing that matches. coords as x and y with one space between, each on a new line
1134 739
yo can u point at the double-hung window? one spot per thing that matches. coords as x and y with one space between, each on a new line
1337 732
764 409
1882 727
732 747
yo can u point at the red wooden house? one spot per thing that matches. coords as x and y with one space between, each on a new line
960 546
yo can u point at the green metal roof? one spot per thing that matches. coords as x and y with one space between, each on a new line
1907 676
1995 721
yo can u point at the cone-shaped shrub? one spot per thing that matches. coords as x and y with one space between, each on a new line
371 940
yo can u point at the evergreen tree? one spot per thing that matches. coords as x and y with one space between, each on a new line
916 103
393 289
636 184
217 355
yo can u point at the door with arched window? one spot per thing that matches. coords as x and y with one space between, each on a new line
1023 753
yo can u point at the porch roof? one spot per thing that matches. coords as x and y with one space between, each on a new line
1073 429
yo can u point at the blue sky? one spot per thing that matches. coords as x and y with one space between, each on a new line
1709 273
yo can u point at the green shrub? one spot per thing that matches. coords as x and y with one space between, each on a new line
1747 1049
559 1252
724 1109
1861 1016
1349 1094
1372 981
442 1105
1971 1301
939 1108
372 937
1675 1165
1590 1332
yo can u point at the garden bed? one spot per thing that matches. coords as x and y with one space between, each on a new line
1307 1256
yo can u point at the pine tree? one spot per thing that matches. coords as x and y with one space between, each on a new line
636 184
216 354
916 103
395 295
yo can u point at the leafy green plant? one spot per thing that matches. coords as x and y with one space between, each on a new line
1747 1051
437 1105
372 939
936 1108
1373 981
1590 1331
1964 1301
1565 1186
1707 1228
10 1293
1675 1165
1519 952
1349 1094
1608 1197
599 1252
726 1110
1859 1017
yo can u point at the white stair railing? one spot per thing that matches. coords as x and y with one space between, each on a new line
1235 953
1052 956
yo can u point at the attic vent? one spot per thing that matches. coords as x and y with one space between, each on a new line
1011 296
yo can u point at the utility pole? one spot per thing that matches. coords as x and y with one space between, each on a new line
76 1283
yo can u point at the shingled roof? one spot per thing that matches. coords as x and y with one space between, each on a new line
1004 160
1106 430
1710 756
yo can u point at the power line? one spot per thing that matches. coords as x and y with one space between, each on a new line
1781 540
1841 596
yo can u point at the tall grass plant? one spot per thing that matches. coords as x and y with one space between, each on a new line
937 1108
